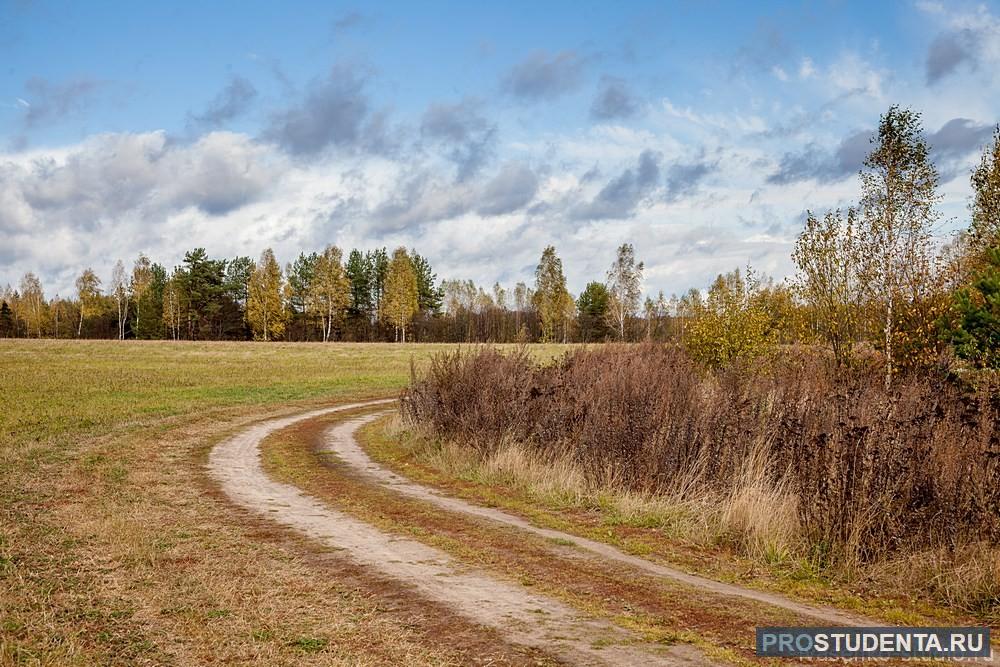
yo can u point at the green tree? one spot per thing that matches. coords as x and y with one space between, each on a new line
359 272
829 280
6 321
976 329
237 284
624 288
592 313
265 305
300 275
552 300
330 289
202 284
378 271
898 204
429 295
400 300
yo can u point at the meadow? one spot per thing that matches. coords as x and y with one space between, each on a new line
114 547
117 548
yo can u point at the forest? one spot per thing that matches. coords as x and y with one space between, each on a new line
872 276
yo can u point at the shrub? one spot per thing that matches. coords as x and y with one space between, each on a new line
857 472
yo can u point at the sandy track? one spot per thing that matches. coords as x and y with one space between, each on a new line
520 616
341 441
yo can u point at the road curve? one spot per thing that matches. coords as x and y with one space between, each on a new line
520 615
341 441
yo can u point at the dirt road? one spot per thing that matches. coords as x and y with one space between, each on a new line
520 615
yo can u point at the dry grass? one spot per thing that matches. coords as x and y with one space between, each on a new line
794 462
115 550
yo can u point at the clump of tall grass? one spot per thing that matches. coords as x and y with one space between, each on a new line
793 455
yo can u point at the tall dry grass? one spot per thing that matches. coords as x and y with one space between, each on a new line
789 457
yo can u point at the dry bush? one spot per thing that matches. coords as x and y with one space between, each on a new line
792 454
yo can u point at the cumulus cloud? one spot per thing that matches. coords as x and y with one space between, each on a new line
136 176
230 103
543 76
335 111
614 100
468 137
620 197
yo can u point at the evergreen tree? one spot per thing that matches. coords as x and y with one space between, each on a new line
359 273
6 321
592 313
429 295
976 332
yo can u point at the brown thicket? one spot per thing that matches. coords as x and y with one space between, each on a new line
872 472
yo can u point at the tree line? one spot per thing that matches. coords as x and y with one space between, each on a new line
869 276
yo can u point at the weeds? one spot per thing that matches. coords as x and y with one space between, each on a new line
790 459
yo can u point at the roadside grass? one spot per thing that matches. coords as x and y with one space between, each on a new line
116 549
656 609
684 533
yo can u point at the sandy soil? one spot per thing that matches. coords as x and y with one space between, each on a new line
520 615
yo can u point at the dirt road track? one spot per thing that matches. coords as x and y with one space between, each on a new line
340 440
520 615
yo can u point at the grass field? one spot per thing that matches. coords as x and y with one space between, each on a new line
115 549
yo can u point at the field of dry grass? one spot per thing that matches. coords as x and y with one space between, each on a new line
800 476
114 547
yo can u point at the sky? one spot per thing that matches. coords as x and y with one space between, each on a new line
476 133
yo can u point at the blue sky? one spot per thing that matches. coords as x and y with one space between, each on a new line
477 133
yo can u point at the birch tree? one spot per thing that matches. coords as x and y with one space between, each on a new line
330 291
829 280
400 295
142 279
898 204
265 305
88 292
624 287
33 299
120 293
984 232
